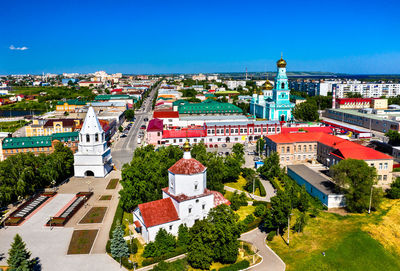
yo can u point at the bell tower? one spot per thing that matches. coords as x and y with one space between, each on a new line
281 92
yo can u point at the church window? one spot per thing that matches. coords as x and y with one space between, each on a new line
170 227
203 206
190 210
96 137
283 85
197 200
180 140
196 186
87 138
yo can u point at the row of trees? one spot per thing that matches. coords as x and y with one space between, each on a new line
147 174
24 174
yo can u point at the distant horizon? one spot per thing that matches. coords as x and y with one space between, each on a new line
166 37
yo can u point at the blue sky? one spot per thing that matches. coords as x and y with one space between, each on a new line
199 36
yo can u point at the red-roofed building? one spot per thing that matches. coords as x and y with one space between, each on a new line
324 129
295 148
353 103
154 132
170 118
185 200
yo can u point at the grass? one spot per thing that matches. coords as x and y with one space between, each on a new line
11 126
350 242
95 215
245 211
82 241
127 219
228 195
240 184
105 197
112 184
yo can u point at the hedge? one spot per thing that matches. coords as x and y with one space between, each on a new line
178 251
236 266
119 214
271 235
261 187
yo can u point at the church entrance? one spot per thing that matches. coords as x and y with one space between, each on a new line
228 139
89 173
282 117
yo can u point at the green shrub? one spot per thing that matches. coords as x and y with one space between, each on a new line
249 219
178 251
108 246
125 263
119 214
259 211
258 202
260 186
271 235
133 246
236 266
394 191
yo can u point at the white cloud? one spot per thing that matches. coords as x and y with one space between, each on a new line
12 47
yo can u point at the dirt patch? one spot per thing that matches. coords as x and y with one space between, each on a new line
105 197
95 215
82 241
339 211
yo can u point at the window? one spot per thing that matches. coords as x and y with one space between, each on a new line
282 87
227 131
283 149
309 148
210 140
380 177
170 227
315 147
180 140
287 149
219 139
385 166
195 140
87 138
174 140
245 130
96 137
203 206
287 158
384 177
264 130
196 186
197 200
190 210
241 131
380 165
304 148
208 131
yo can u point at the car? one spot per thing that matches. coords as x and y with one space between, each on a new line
143 127
257 158
227 153
220 153
251 153
146 119
223 145
123 135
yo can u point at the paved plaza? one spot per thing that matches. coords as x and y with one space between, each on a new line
51 245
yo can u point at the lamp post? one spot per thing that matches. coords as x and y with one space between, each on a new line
370 200
288 227
53 183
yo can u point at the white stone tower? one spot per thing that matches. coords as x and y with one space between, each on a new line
93 157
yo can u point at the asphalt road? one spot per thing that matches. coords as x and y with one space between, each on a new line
122 150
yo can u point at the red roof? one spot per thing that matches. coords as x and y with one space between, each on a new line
326 129
183 197
158 212
155 125
353 100
65 122
219 199
165 114
137 224
187 167
184 133
117 90
344 148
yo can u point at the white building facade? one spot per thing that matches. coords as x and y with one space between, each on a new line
93 157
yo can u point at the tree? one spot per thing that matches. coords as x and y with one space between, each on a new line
306 111
19 256
301 222
238 200
120 129
119 248
356 179
353 95
271 167
183 236
394 191
130 114
260 146
238 151
281 206
394 137
200 250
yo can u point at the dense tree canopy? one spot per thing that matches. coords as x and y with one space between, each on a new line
394 137
19 256
306 111
356 179
271 167
394 191
147 174
23 174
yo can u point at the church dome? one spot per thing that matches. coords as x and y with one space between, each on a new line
281 63
187 167
267 85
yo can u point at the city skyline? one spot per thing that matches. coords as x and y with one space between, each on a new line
180 37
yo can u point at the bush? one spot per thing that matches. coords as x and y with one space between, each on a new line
271 235
259 211
394 191
119 214
260 186
126 263
238 200
178 251
108 246
133 246
236 266
249 219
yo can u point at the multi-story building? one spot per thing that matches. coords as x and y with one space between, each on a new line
199 77
208 107
367 90
329 150
51 126
38 144
235 84
70 105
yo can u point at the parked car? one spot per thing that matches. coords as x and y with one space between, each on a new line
123 135
251 153
220 153
146 119
223 145
257 158
143 127
139 140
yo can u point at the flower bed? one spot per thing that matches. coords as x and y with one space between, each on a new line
82 241
105 197
112 184
64 217
27 208
95 215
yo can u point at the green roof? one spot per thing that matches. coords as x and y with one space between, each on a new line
180 102
74 101
163 98
208 95
295 97
112 97
227 92
37 141
209 107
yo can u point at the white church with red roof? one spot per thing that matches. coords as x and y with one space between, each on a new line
185 200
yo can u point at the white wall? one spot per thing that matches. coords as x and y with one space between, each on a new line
336 201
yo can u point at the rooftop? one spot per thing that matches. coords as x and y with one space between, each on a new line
65 122
158 212
184 133
187 167
165 114
155 125
72 102
37 141
209 107
317 180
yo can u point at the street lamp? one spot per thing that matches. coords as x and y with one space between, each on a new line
288 227
53 183
370 200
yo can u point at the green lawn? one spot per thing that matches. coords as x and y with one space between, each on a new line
240 184
245 211
11 126
350 242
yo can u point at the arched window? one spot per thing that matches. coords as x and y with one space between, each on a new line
282 85
87 138
96 137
